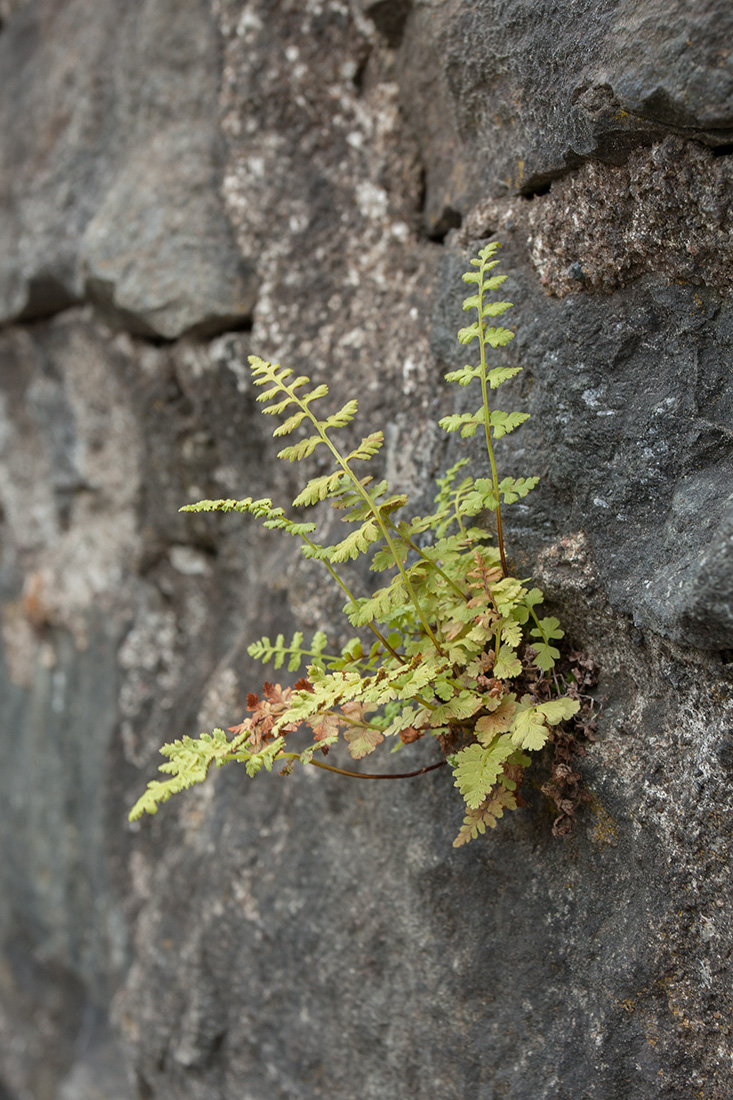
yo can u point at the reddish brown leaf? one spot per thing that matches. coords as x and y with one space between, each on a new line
324 725
245 725
363 741
356 711
411 734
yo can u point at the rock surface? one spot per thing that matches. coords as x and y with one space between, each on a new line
172 173
110 173
507 97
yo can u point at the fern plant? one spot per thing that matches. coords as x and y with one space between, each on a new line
451 644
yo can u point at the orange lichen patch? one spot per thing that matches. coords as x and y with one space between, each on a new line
22 622
34 605
20 643
605 830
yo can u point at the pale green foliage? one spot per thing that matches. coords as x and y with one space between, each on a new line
530 730
487 814
477 769
454 637
278 652
189 761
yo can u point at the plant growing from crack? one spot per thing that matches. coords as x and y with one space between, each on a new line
451 645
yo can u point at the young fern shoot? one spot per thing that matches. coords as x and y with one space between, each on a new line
457 647
495 424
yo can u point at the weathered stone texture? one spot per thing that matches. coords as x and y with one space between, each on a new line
109 174
584 969
630 432
307 937
668 210
507 95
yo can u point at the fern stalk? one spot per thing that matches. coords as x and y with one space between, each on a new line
487 430
441 573
347 592
290 390
386 536
295 756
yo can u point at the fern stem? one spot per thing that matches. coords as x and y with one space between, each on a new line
402 660
352 721
533 613
487 426
362 775
438 570
458 516
347 591
387 538
373 508
374 511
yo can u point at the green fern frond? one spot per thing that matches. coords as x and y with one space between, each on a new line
257 507
368 447
464 704
451 633
480 497
498 337
476 769
189 761
498 375
358 542
291 423
507 665
380 607
274 518
486 815
502 422
468 334
465 376
341 418
495 309
319 488
304 448
465 423
278 652
530 726
507 595
315 395
512 489
546 654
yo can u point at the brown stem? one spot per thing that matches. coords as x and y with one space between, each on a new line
500 540
365 775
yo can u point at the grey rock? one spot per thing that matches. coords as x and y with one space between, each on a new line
61 918
7 7
668 210
630 409
388 16
151 257
534 983
99 1072
510 97
109 183
310 936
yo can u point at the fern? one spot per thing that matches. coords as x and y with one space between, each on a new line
457 649
189 761
264 650
485 815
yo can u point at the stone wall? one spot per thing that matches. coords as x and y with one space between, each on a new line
183 183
